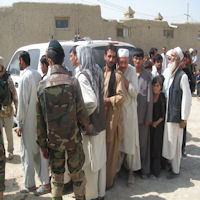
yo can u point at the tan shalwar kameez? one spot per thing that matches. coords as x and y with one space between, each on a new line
113 112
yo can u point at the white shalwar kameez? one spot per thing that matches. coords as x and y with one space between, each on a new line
26 117
130 143
165 62
94 146
154 71
173 134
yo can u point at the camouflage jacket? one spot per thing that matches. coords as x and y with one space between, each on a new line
60 110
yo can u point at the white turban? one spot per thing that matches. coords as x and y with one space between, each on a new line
191 50
1 61
169 53
123 53
179 52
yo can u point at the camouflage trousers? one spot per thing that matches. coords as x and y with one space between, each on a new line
2 164
75 161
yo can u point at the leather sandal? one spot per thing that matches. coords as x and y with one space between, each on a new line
27 190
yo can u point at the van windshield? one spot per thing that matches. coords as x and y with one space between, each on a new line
14 69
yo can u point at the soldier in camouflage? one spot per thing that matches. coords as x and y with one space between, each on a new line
2 166
60 113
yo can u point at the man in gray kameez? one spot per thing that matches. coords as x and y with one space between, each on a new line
144 109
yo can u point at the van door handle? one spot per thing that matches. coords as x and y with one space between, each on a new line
16 84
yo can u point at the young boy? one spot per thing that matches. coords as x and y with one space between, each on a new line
157 126
144 110
157 67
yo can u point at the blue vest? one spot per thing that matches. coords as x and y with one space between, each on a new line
175 98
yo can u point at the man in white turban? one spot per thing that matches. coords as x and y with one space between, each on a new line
179 98
129 145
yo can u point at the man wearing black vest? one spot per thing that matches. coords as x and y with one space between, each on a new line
179 99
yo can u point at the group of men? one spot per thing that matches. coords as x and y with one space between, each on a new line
99 121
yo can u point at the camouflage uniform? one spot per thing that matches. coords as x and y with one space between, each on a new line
59 109
2 164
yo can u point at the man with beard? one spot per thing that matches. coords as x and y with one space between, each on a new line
129 146
113 101
179 99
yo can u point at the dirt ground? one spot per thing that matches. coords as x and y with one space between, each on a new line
186 186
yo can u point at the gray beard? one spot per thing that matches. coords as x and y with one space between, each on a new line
172 66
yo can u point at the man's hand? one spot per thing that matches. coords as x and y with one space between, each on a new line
106 101
155 124
19 132
45 154
126 83
119 71
182 124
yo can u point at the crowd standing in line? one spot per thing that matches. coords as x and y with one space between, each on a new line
94 123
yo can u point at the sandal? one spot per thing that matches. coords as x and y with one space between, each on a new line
41 190
27 190
10 156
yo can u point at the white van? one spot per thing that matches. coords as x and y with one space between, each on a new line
36 51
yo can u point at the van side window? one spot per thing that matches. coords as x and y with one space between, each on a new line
34 55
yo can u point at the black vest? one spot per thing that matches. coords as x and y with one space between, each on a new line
175 98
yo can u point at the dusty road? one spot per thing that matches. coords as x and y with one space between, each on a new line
185 187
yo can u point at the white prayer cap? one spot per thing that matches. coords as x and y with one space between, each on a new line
123 53
191 50
1 61
179 52
169 52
